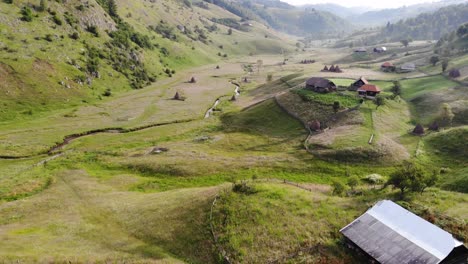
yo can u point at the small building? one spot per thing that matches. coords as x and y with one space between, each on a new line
387 67
389 234
360 50
320 85
380 49
407 67
368 91
358 84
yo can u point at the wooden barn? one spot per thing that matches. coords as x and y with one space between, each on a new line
358 84
368 91
389 234
320 85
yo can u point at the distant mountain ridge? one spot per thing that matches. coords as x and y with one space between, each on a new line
287 18
381 17
341 11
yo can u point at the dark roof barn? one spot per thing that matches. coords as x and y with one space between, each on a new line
320 85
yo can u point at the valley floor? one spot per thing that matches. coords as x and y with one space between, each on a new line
144 196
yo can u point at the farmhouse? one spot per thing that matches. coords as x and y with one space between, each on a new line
389 234
320 85
387 66
407 67
368 91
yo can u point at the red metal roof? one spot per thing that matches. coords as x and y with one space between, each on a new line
369 88
387 64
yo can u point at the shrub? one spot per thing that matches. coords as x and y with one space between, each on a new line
49 37
244 188
93 30
57 20
75 35
107 92
26 13
338 188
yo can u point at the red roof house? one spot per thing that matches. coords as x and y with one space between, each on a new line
387 66
369 90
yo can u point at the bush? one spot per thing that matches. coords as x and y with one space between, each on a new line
107 92
75 35
57 20
338 188
26 13
49 37
93 30
244 188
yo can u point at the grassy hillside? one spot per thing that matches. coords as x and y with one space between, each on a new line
278 222
72 53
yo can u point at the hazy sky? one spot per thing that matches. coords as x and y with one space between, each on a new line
369 3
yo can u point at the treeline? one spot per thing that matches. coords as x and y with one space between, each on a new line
453 43
427 25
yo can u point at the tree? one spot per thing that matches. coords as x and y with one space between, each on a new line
336 106
396 89
338 188
112 7
446 114
353 182
269 77
405 42
434 60
43 5
445 64
379 101
259 65
411 178
229 32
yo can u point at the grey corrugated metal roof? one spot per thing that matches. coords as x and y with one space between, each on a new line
391 234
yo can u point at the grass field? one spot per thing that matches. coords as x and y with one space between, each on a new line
345 99
112 198
417 87
288 219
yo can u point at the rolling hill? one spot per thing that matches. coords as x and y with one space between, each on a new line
74 53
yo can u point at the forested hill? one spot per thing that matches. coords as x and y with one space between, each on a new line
381 17
287 18
427 25
454 43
